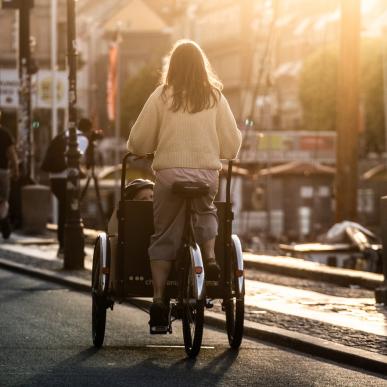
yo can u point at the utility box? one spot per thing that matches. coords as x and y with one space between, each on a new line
36 208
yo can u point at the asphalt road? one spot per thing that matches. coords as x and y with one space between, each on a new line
45 340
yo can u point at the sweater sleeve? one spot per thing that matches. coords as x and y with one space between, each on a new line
144 133
230 137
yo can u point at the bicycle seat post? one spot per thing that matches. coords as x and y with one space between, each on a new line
188 234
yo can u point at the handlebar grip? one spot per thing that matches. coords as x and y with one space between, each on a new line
123 173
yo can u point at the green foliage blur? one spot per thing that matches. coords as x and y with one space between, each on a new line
318 88
372 94
136 91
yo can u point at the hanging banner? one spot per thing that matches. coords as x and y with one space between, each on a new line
112 81
285 146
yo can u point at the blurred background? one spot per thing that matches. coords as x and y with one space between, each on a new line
278 61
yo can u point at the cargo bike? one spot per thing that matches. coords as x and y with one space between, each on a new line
126 275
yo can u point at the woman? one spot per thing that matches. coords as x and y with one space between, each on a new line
188 125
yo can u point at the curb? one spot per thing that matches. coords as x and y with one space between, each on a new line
338 276
292 340
308 344
63 279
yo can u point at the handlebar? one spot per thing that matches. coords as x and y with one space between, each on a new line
150 156
123 169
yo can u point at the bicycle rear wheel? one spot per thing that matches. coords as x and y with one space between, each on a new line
99 300
234 305
192 308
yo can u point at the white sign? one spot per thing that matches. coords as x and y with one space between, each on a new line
284 146
9 89
43 80
41 89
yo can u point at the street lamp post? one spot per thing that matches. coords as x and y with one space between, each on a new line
25 71
25 85
73 233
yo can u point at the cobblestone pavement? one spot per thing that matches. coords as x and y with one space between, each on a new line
44 257
325 331
322 330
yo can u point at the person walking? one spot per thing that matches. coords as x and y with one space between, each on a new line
56 165
188 124
9 168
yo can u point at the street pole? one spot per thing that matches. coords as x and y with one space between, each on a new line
25 119
348 112
54 60
117 127
381 290
384 64
73 233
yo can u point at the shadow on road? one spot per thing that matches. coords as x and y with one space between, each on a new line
144 366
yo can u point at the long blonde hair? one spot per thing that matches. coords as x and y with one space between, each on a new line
190 78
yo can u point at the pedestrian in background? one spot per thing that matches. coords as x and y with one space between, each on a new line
55 163
9 168
188 125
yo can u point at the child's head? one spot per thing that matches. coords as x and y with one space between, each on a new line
139 189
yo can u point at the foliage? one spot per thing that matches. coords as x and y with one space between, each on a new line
136 91
318 87
372 92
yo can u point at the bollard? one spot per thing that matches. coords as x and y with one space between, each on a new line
381 291
36 208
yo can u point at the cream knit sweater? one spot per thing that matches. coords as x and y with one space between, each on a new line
185 140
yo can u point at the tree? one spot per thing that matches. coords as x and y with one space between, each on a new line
372 92
318 87
136 91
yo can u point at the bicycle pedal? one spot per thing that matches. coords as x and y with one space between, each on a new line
176 311
159 330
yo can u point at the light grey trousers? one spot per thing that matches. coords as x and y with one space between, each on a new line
169 211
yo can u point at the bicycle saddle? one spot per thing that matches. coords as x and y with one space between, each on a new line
190 189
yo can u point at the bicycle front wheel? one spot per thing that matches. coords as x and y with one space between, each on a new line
192 307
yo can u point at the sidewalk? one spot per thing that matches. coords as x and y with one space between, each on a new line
299 268
351 321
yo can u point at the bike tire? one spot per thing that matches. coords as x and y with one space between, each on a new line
192 316
99 301
235 308
235 314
